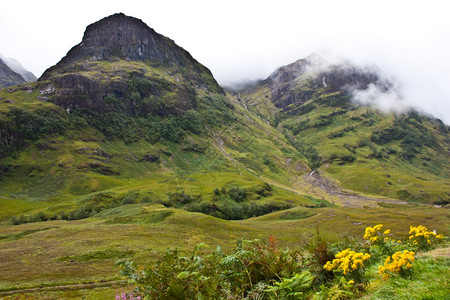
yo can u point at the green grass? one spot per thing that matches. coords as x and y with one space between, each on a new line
16 236
10 207
429 280
34 258
106 254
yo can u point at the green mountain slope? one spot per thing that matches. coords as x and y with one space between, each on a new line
111 125
398 156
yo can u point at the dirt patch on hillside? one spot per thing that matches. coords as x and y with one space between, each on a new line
346 199
439 252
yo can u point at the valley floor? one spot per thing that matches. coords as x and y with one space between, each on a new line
40 258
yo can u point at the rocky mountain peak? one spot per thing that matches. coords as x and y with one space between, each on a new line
125 36
117 30
121 64
298 81
122 37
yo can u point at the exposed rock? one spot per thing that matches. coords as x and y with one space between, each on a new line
93 152
150 158
120 36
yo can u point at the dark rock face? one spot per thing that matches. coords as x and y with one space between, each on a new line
119 36
8 77
130 38
122 37
76 91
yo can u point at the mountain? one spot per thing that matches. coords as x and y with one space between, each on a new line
127 103
13 73
127 115
15 65
8 77
314 103
129 146
118 49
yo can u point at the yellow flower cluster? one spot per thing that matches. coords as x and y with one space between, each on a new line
422 233
372 233
375 235
347 261
398 262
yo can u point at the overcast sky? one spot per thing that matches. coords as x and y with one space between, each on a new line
246 40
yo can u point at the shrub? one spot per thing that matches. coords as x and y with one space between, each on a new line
400 262
255 267
292 288
422 238
178 199
349 263
265 190
381 240
237 194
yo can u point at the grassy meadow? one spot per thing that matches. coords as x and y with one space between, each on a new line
59 253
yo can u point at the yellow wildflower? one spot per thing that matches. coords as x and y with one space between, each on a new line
422 237
396 263
347 261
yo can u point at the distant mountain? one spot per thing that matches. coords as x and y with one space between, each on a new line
8 77
15 65
315 104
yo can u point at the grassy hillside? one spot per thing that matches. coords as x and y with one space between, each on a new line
82 166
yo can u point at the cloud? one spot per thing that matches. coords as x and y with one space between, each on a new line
385 100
